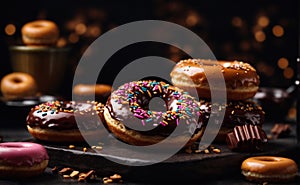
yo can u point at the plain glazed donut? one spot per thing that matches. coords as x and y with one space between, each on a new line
56 121
241 79
87 91
22 159
18 85
269 169
40 32
128 111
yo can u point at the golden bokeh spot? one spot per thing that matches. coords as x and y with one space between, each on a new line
62 42
260 36
192 19
80 28
263 21
73 38
278 31
288 73
283 63
10 29
94 31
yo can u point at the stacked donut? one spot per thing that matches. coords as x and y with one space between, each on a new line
40 33
242 83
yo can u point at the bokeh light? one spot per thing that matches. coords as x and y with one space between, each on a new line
263 21
288 72
283 63
10 29
278 31
260 36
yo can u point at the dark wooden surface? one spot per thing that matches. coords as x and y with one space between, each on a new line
182 168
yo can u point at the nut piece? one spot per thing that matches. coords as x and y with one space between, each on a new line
206 151
74 174
107 180
65 171
54 169
66 176
85 176
216 150
116 177
112 178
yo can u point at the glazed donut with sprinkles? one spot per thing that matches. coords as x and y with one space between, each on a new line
55 121
127 113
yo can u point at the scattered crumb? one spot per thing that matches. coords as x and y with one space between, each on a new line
84 176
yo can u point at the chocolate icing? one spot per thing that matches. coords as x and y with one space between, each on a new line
236 113
60 115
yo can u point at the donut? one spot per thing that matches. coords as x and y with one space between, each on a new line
129 116
242 81
87 91
57 121
237 113
269 169
22 159
40 32
18 85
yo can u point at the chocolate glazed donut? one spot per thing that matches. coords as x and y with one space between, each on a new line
129 118
55 121
237 113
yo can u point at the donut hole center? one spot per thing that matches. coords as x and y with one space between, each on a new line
37 25
157 104
268 159
17 80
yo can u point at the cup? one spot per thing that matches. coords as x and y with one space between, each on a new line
46 64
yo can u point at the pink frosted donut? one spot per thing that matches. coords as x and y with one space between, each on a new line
22 159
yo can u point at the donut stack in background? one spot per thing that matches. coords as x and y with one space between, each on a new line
242 83
41 55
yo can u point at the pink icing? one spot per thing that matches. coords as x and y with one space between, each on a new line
22 153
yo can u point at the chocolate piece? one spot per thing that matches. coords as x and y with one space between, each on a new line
246 138
281 130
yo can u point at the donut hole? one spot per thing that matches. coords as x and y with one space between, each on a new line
267 159
17 80
38 25
157 104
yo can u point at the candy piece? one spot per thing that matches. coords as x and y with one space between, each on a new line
246 138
